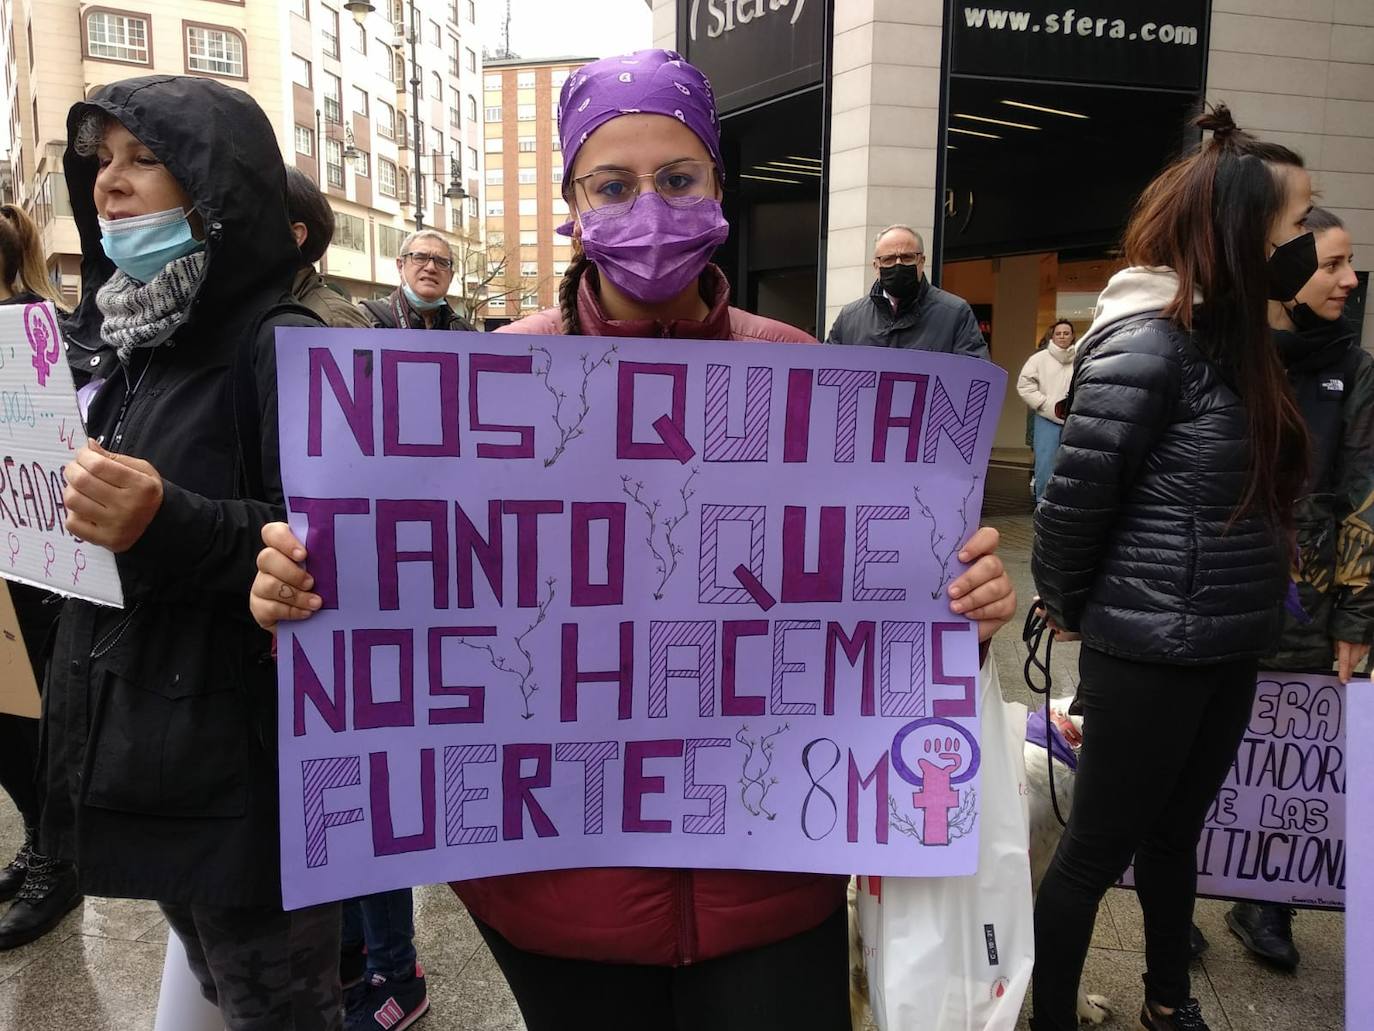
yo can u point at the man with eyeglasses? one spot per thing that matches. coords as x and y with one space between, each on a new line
903 309
425 265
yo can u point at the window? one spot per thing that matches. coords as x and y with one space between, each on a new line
561 241
438 86
333 163
473 162
526 144
215 51
527 175
453 56
117 37
333 99
455 120
330 31
525 80
389 241
398 13
438 142
453 11
529 268
360 38
497 304
472 11
472 208
305 140
398 70
494 144
558 77
496 209
420 75
382 58
434 36
472 109
472 59
349 231
493 114
300 71
529 206
386 177
301 7
386 120
362 164
556 174
496 238
529 238
360 101
560 206
525 112
491 82
496 176
529 301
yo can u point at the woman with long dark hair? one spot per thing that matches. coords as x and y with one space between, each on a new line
1162 541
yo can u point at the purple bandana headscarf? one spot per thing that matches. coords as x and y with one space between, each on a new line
655 82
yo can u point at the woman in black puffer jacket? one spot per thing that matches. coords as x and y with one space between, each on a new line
1162 541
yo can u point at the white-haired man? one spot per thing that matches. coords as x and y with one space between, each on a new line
903 309
425 265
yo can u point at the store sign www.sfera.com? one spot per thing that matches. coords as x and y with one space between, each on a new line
724 16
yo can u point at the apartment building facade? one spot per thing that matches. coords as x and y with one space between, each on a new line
337 89
524 182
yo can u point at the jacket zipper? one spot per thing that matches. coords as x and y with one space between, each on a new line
686 919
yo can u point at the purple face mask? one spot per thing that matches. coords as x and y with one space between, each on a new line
653 251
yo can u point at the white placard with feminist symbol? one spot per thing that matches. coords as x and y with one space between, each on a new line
40 431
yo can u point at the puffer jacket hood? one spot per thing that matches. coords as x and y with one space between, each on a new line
1134 291
217 143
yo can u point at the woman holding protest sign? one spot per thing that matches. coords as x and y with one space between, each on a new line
1162 540
636 948
44 889
160 719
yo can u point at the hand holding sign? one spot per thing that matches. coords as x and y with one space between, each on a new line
110 498
984 592
281 586
1348 656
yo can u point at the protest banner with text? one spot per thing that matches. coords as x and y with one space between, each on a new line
599 602
40 432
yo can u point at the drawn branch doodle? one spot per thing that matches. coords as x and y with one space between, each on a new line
665 561
570 431
523 677
757 782
960 824
942 546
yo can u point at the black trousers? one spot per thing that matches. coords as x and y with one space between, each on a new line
1157 744
19 765
800 982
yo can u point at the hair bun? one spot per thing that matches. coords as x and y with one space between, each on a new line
1218 122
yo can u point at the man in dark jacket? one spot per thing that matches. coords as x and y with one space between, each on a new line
903 309
425 265
1330 618
160 719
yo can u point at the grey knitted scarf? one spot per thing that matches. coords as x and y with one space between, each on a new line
140 314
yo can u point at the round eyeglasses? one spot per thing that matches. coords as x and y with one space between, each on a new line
681 184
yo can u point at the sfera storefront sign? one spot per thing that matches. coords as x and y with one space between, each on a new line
753 50
1160 44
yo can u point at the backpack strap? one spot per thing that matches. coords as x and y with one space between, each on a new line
247 409
380 313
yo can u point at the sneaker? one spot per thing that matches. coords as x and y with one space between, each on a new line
12 876
1266 930
50 891
1197 944
388 1004
1187 1017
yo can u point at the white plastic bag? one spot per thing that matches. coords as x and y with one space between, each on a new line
955 953
180 1005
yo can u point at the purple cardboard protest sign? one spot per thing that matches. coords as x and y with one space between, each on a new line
1277 829
1359 910
602 603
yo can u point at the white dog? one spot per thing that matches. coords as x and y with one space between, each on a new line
1045 831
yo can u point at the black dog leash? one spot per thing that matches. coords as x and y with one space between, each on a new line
1035 632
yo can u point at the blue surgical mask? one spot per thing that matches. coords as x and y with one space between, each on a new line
142 246
417 302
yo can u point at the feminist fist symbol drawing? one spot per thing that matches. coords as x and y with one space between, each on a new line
41 329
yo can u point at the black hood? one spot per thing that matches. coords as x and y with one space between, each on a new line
219 145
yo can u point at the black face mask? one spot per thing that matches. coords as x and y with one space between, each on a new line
903 281
1291 266
1308 321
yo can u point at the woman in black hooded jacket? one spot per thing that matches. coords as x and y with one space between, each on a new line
160 718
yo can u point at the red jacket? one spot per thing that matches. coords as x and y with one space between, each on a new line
641 915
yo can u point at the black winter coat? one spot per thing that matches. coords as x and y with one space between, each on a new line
388 312
932 321
159 750
1132 544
